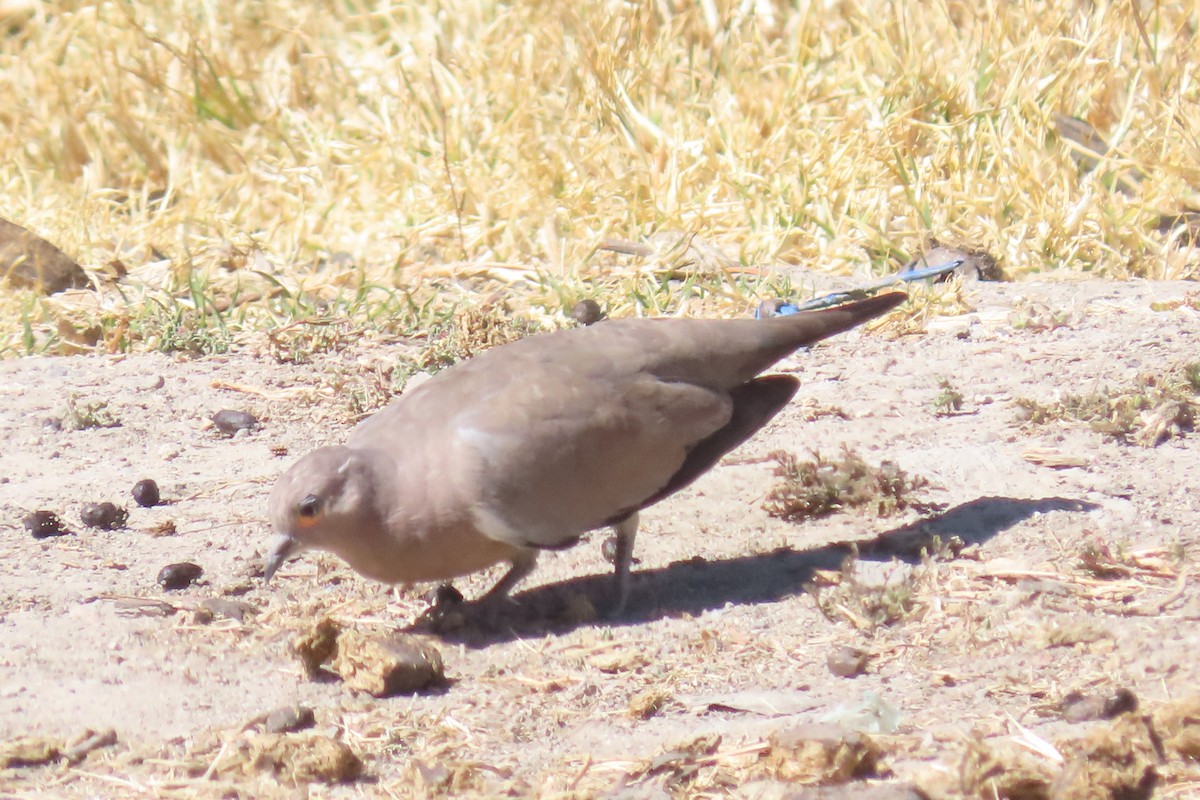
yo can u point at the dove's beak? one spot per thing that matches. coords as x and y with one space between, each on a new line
283 546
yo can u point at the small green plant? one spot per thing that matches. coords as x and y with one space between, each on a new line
471 331
81 415
870 598
949 400
1191 376
182 329
1190 300
815 488
939 549
1104 561
299 341
1154 408
359 394
1036 316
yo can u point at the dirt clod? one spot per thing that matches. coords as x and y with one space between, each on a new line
817 753
1078 707
1117 760
295 758
1178 723
577 609
383 666
317 646
290 719
648 702
847 662
1001 768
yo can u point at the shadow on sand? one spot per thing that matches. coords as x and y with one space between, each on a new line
697 585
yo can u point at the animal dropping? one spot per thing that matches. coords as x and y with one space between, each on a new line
106 516
44 524
531 444
174 577
146 494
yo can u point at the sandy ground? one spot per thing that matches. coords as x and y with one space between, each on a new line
721 632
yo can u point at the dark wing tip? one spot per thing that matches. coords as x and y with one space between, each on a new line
812 326
871 307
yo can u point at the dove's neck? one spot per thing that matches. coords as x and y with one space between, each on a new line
426 530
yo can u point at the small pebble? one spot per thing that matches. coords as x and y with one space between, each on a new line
847 662
173 577
290 719
609 550
145 493
444 595
587 312
44 524
230 422
169 451
447 609
230 609
105 516
202 615
1078 707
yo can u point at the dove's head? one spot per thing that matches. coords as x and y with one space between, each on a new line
327 500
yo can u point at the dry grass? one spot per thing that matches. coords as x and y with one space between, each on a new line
821 486
1155 407
243 162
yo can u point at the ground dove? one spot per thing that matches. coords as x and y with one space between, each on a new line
528 446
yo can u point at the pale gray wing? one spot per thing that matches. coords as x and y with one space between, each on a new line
557 460
544 443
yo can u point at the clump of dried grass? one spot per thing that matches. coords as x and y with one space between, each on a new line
234 159
471 331
820 486
1153 408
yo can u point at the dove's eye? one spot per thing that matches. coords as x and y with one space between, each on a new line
309 509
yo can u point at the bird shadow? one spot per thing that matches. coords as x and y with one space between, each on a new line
696 585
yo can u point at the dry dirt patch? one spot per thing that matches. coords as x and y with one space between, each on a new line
1046 562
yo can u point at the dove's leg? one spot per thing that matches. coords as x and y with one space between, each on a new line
521 565
626 531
